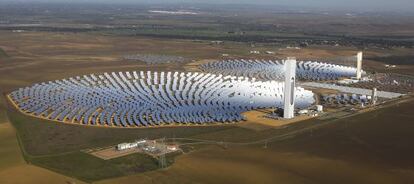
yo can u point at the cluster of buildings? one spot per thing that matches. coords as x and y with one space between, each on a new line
151 147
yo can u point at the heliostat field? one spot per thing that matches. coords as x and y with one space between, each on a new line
141 99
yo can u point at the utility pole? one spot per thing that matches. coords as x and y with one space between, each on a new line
162 161
374 96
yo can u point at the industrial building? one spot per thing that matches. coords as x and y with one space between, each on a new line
125 146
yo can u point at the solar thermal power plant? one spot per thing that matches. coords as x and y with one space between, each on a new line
141 99
275 70
289 90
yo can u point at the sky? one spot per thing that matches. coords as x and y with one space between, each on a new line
392 5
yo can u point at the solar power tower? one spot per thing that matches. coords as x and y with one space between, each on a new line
289 90
374 97
359 65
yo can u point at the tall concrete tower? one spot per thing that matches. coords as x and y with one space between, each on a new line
289 90
374 96
359 65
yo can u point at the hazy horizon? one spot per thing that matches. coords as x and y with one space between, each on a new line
368 5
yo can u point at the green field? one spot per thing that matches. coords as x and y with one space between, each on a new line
3 54
90 168
9 152
3 115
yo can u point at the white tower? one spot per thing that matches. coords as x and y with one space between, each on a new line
289 90
374 96
359 65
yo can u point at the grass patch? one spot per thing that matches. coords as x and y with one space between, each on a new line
3 53
89 168
3 114
395 60
10 154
